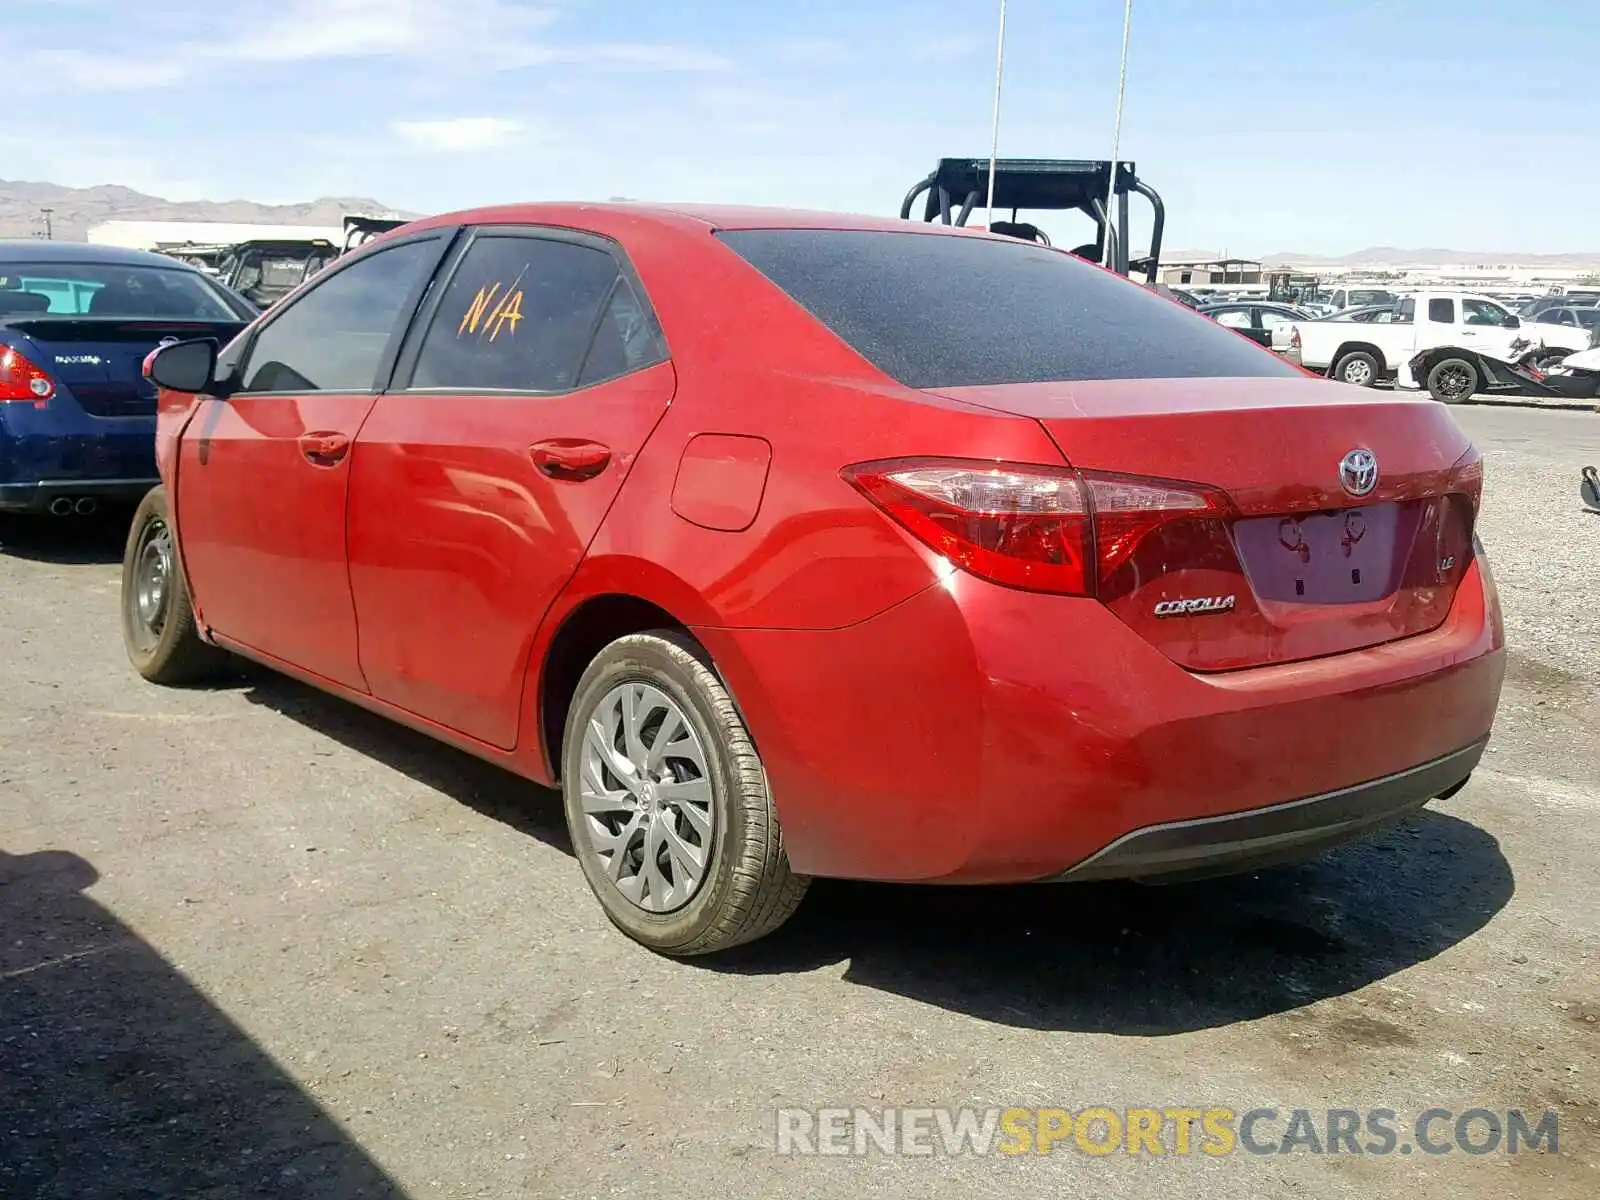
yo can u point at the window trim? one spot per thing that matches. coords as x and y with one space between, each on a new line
445 236
405 364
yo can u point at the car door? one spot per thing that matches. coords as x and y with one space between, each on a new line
1275 326
263 472
1487 327
1239 320
519 403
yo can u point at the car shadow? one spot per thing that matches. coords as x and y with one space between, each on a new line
1140 960
1116 958
70 540
496 793
121 1079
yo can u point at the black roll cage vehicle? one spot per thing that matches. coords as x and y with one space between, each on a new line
959 185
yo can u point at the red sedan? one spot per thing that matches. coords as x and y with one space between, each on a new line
794 545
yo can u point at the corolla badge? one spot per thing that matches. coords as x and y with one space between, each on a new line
1195 606
1358 472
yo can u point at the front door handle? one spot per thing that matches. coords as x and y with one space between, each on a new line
569 458
324 449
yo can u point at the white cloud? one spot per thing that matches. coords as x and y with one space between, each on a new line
458 134
322 29
90 73
487 35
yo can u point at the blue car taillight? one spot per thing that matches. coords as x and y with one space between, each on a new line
22 381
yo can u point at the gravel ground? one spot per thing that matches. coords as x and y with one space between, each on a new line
256 943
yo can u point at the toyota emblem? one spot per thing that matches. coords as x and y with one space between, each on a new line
1358 472
165 342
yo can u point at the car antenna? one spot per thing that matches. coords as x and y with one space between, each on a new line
1116 140
994 141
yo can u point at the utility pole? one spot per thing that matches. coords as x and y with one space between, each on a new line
49 227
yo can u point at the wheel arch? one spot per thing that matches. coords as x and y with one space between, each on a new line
1347 348
588 628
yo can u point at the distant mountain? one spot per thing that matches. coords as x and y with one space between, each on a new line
76 209
1428 257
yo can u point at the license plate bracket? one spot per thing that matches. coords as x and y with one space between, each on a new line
1342 557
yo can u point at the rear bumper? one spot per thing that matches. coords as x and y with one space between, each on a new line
39 496
1278 833
46 456
976 734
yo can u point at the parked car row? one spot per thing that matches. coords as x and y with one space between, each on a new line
728 524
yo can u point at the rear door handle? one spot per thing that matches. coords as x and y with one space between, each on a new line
569 458
324 449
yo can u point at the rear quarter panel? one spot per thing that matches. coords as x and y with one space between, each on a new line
751 362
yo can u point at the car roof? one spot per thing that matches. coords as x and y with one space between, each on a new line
34 250
682 216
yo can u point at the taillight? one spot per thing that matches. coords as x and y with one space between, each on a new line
21 380
1466 477
1022 526
1046 529
1147 527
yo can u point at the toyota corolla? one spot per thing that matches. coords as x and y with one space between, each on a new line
792 545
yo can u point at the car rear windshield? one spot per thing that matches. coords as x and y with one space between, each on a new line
110 290
943 310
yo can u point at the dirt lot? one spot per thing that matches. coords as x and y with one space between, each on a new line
256 943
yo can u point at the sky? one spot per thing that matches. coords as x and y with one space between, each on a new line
1317 126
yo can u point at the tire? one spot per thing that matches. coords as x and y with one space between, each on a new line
745 889
160 635
1453 381
1362 365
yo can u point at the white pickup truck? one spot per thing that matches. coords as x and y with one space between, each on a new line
1365 353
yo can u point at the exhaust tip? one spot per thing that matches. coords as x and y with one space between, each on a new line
60 506
87 506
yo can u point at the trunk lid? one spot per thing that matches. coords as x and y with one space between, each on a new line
1288 564
99 361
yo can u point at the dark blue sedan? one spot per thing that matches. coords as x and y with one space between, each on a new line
77 416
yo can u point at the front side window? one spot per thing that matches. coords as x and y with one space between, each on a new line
1271 318
112 290
531 314
1482 312
332 338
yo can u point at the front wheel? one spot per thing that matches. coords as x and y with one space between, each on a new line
1452 381
667 801
158 628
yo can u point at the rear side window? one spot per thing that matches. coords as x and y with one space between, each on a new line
942 310
1442 312
534 314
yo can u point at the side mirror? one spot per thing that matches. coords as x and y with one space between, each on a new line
183 366
1513 322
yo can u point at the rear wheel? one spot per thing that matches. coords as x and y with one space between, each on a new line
1358 368
1452 380
158 628
667 801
